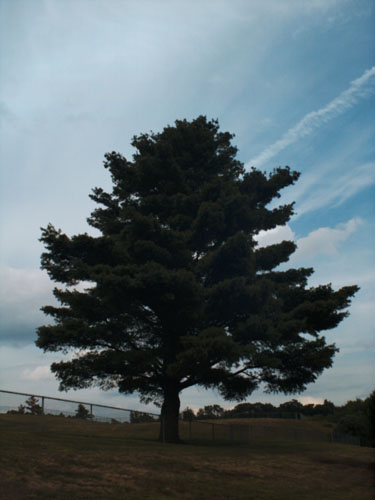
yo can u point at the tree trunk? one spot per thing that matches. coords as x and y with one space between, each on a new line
169 416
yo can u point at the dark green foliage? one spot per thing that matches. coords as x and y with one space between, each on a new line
210 412
358 419
356 406
180 293
188 415
370 414
327 408
292 406
21 409
353 424
82 412
289 409
248 410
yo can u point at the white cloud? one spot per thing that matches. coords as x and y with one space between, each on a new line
42 372
333 261
23 285
22 294
325 240
322 241
29 289
360 88
275 235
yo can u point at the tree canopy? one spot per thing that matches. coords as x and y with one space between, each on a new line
179 292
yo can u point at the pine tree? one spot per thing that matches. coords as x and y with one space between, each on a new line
32 406
82 412
181 295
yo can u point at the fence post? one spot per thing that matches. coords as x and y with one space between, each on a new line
213 432
42 416
91 420
131 425
163 427
189 430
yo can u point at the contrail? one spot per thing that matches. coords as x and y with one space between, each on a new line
358 89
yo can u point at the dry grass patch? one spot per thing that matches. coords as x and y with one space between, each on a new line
63 465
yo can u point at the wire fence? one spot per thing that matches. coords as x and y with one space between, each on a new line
63 415
50 414
274 430
15 403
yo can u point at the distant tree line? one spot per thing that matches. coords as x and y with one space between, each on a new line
290 409
356 418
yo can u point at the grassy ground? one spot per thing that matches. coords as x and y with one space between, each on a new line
78 460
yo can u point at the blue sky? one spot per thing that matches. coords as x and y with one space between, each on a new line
294 80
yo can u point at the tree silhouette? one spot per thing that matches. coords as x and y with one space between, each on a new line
82 412
180 294
32 406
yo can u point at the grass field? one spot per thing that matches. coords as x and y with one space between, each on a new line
78 460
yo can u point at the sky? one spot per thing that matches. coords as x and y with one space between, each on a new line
293 80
